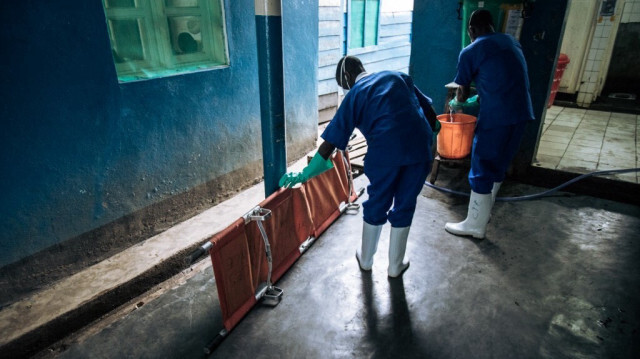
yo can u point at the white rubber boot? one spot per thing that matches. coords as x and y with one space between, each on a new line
494 192
397 247
477 217
369 246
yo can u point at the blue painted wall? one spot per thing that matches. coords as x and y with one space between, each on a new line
79 150
435 47
300 52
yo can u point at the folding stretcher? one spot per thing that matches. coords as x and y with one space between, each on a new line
257 249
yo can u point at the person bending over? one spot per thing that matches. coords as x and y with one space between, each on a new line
396 119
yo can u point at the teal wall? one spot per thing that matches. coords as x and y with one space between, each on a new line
79 151
435 47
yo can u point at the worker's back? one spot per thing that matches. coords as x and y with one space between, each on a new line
499 70
384 107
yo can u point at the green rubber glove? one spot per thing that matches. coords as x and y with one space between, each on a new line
472 99
455 105
315 167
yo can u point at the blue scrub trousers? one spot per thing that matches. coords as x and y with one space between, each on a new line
397 185
492 152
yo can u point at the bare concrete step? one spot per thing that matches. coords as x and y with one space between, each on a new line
42 318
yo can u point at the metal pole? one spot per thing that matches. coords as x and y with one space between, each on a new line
271 78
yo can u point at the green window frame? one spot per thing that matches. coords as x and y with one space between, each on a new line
158 38
364 16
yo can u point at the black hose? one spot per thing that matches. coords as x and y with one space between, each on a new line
536 195
195 255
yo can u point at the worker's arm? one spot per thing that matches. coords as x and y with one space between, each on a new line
326 149
462 93
427 109
433 119
319 163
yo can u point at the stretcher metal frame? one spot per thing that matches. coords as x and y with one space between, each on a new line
270 294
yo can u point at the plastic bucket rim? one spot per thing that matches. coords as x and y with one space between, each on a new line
459 119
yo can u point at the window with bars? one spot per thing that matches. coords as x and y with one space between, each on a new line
156 38
363 16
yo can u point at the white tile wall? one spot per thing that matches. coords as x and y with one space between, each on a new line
590 64
631 11
599 44
596 65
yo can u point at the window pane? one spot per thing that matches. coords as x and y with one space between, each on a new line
186 35
164 38
126 40
356 27
371 22
120 3
181 3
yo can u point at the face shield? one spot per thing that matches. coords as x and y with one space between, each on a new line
343 77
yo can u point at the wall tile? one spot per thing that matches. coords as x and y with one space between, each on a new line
581 98
598 32
603 43
596 65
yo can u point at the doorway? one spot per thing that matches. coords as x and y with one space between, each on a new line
594 123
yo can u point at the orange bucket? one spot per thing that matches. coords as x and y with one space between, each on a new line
455 137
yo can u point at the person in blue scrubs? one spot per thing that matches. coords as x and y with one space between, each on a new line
396 119
494 61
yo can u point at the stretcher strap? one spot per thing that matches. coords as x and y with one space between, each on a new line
325 193
232 270
296 215
347 182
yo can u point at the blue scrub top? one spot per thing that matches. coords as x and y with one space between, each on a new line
496 63
385 107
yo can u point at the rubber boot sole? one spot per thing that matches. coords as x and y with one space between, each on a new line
464 234
360 266
401 272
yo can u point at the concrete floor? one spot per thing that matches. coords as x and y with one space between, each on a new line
555 278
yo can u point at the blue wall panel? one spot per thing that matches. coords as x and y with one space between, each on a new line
300 52
435 47
79 150
271 72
